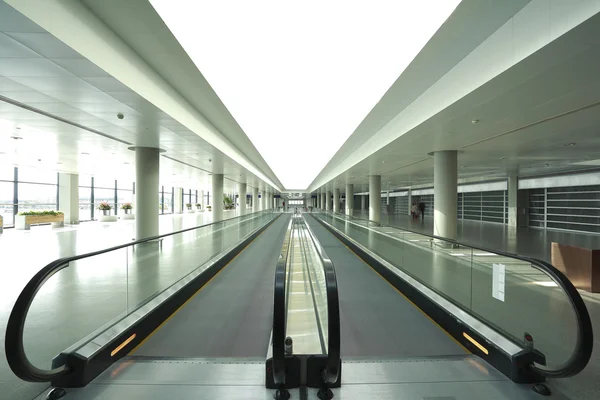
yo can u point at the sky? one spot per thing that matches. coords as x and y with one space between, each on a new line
300 76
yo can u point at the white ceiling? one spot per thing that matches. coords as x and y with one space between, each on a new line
310 73
539 117
63 106
527 114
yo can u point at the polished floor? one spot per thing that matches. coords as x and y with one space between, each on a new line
93 292
532 243
23 253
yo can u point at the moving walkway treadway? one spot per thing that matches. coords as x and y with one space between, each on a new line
356 311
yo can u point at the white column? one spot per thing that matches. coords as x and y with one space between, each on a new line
324 200
328 201
336 200
217 196
409 199
68 197
242 197
201 199
349 199
255 206
178 201
262 200
445 176
375 198
147 169
267 199
513 191
363 203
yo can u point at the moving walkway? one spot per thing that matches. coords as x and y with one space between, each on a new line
356 311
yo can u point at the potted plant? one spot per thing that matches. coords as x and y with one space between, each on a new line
227 202
209 207
25 219
127 207
105 207
198 206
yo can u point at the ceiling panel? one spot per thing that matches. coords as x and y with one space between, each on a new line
528 117
71 87
80 67
42 42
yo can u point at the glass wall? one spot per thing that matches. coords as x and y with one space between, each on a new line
165 199
187 197
33 189
7 191
124 194
37 189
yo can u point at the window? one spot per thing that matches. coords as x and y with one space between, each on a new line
7 172
36 175
168 201
187 197
101 194
85 198
124 193
33 196
6 202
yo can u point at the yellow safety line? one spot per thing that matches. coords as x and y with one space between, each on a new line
194 295
410 301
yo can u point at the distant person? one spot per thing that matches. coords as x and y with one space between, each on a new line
422 211
414 211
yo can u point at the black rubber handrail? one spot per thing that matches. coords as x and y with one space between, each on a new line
279 312
331 372
585 336
14 347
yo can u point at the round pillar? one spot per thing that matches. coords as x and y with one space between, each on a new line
445 177
375 198
217 195
336 200
147 168
242 197
255 201
349 199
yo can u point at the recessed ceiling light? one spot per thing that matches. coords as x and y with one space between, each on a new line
383 162
503 158
569 144
475 121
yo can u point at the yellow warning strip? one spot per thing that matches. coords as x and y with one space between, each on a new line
413 304
194 295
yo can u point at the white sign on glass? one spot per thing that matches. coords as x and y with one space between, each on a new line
498 281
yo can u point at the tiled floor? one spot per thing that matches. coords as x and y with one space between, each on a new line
93 291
